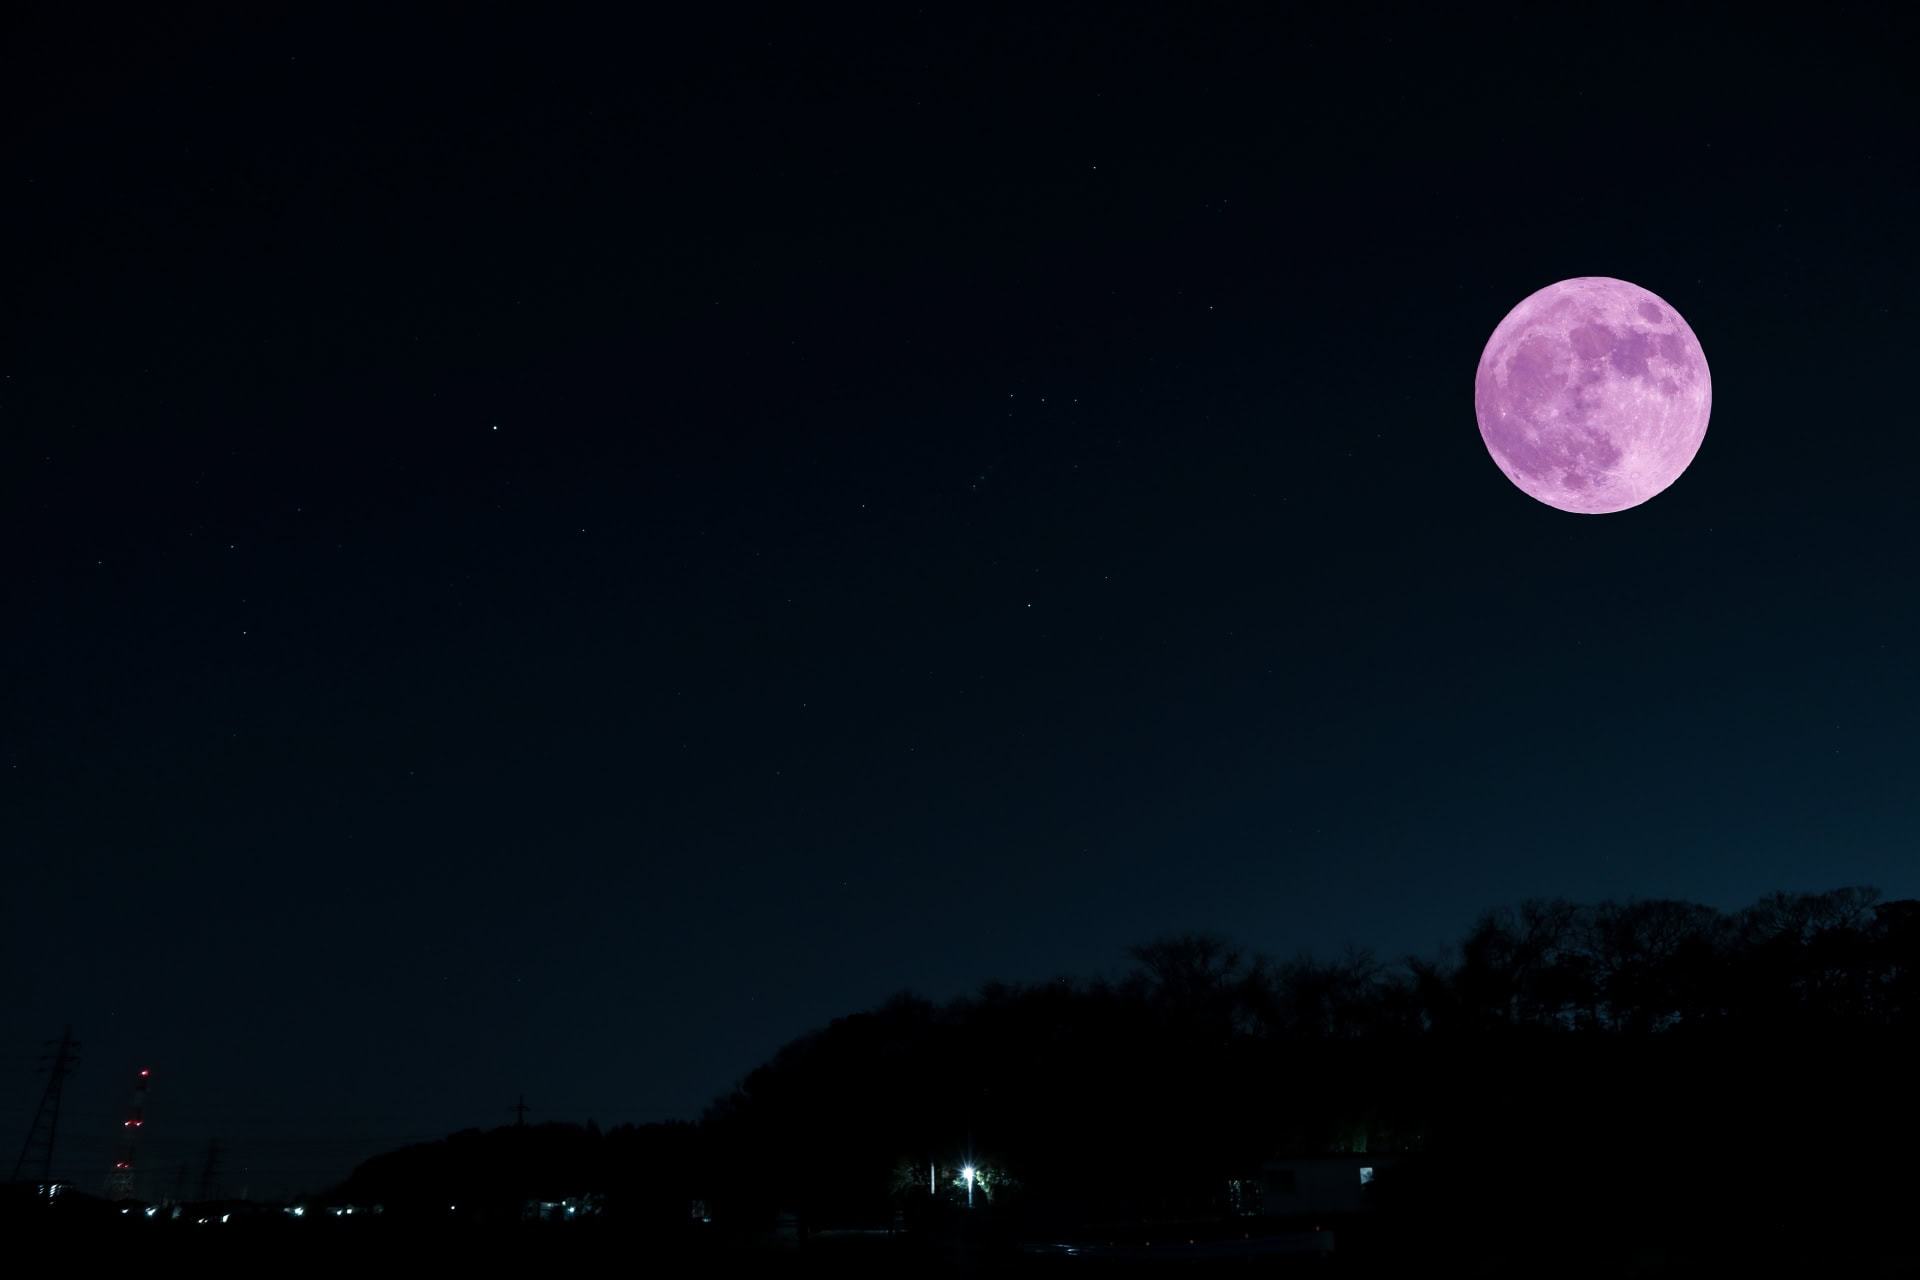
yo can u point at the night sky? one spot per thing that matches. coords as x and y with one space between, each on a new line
552 554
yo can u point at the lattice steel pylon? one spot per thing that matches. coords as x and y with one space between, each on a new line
46 1118
120 1181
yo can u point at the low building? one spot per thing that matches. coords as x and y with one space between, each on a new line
1306 1186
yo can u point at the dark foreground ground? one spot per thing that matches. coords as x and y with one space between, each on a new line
304 1251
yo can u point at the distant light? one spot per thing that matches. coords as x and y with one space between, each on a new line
152 1209
225 1216
146 1073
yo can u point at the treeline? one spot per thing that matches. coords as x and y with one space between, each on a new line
1646 1057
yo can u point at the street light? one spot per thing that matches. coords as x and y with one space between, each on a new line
967 1173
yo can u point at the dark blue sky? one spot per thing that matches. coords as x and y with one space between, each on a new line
553 555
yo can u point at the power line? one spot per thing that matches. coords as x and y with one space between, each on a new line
99 1146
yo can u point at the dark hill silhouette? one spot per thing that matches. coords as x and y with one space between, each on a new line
1649 1070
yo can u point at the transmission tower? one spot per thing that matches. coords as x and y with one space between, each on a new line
210 1170
46 1119
520 1110
120 1181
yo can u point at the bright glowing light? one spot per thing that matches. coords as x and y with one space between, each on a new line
967 1173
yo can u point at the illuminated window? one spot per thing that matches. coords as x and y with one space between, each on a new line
1366 1175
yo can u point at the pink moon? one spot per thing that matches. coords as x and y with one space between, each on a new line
1593 395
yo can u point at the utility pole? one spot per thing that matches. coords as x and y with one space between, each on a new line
521 1178
46 1117
210 1170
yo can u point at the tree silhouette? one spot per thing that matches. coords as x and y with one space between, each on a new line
1602 1039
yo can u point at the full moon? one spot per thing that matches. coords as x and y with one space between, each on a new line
1593 395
